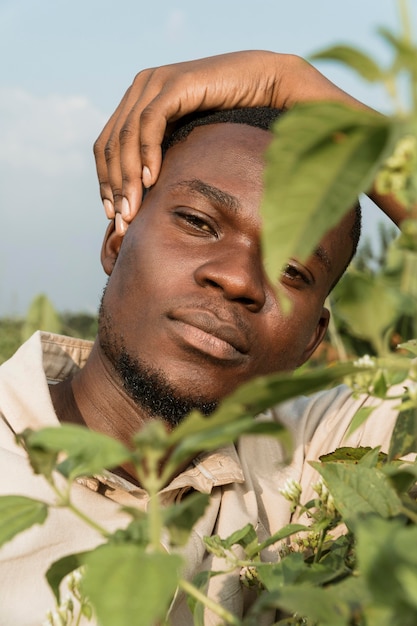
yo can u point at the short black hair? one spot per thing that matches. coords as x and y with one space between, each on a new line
258 117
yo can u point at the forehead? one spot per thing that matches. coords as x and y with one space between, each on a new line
230 156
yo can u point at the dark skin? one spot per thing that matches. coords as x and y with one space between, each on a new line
187 292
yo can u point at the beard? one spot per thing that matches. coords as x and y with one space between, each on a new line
149 388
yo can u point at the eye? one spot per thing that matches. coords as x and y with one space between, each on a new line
198 223
294 274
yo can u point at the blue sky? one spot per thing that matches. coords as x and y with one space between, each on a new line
66 65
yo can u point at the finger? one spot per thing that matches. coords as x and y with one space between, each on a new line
107 153
144 90
104 186
131 163
112 159
120 225
123 150
101 147
167 107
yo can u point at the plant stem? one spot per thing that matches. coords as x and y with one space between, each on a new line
317 555
105 533
410 514
152 485
65 502
335 337
226 616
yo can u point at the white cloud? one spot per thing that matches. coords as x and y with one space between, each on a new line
48 135
176 25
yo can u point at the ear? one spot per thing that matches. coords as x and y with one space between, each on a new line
110 248
317 336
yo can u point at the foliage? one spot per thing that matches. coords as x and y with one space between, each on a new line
326 568
42 315
10 337
348 556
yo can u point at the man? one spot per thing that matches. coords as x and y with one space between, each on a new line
186 316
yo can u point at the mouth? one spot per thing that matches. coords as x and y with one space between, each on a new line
205 332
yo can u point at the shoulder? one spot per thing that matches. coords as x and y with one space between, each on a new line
304 414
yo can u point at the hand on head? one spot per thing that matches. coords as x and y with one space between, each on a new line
128 151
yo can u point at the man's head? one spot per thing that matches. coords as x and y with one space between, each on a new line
188 313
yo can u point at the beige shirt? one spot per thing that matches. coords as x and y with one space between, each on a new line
243 481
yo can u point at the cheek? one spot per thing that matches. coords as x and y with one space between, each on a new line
287 339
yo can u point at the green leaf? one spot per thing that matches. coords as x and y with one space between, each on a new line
18 513
408 580
338 604
360 418
358 299
346 454
222 434
320 574
410 346
359 490
323 156
404 437
373 458
388 561
136 532
41 316
353 58
215 545
62 568
283 533
244 537
129 586
406 52
312 603
380 385
197 432
42 461
152 437
88 452
286 572
293 569
180 518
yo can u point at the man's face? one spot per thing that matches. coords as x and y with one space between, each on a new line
188 298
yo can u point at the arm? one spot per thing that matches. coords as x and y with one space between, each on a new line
391 206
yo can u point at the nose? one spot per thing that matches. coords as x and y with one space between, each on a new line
238 274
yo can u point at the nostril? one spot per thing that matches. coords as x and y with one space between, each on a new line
212 283
246 301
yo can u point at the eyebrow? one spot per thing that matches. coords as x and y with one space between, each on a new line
214 194
322 255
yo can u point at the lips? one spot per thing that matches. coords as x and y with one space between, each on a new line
211 327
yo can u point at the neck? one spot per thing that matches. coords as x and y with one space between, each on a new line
95 398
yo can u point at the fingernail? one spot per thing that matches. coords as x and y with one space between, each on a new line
108 208
125 208
146 177
121 225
